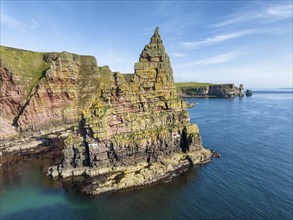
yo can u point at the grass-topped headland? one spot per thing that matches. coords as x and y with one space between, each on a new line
191 84
27 66
200 89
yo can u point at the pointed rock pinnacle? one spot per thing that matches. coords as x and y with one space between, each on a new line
156 38
156 31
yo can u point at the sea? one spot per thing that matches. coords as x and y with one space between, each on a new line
253 179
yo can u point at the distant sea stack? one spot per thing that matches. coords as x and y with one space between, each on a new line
248 92
207 90
120 130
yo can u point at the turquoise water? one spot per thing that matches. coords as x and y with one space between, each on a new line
252 179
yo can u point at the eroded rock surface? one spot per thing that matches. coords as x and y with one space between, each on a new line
136 130
113 122
213 91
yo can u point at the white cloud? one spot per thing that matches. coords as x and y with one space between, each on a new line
233 20
228 36
177 55
218 59
215 39
268 13
282 11
222 58
13 23
174 19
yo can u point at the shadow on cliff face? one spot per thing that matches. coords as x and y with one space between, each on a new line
50 150
184 142
33 91
82 131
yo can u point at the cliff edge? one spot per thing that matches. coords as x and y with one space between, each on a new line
130 130
208 90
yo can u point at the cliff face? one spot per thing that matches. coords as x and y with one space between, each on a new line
47 94
132 124
213 90
225 91
11 100
65 89
129 123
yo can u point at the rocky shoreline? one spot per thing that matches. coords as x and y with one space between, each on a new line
93 181
49 148
102 180
28 145
117 131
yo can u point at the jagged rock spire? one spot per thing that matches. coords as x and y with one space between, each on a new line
154 71
156 38
154 51
156 31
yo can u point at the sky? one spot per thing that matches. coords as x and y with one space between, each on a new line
247 42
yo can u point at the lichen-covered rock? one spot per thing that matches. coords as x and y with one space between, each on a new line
119 121
140 120
193 91
50 92
213 90
142 173
223 91
66 88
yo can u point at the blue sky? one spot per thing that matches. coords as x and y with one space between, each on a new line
247 42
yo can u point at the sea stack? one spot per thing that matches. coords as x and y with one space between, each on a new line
132 129
137 131
248 92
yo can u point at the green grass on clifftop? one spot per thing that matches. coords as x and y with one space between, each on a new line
27 66
191 84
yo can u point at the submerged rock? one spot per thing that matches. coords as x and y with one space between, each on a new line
190 105
215 154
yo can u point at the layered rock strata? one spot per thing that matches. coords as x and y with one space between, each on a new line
132 124
144 173
113 122
44 92
213 91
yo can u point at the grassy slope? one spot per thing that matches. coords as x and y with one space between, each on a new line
26 66
191 84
